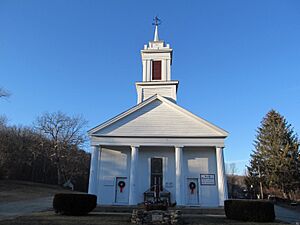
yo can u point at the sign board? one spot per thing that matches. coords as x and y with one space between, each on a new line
157 217
207 179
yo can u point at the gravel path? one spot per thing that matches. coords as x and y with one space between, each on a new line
19 208
287 215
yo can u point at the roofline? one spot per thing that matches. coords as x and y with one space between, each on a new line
198 137
157 82
121 115
223 132
160 50
211 125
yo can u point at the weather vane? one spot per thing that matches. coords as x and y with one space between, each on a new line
157 21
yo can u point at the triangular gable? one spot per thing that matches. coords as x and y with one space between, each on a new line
157 117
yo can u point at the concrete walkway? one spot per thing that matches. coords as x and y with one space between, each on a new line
287 215
19 208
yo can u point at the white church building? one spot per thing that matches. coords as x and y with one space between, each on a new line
157 148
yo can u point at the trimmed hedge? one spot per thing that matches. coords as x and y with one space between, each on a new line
250 210
74 204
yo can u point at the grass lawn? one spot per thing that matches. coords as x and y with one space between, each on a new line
14 190
18 191
50 217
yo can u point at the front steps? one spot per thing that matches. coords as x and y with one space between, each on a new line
184 210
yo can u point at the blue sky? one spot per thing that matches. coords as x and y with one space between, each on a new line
235 60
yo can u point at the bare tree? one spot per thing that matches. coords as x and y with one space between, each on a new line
64 132
4 93
231 179
3 121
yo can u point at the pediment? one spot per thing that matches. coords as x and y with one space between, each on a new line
157 117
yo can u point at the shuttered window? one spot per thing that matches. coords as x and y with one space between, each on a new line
156 70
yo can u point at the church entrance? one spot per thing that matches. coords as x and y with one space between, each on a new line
192 191
156 192
156 183
122 188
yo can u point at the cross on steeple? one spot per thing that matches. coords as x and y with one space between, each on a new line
156 22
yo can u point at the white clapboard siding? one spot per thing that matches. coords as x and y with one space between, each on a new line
163 91
158 119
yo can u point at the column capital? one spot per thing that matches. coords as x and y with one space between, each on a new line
179 146
134 146
96 146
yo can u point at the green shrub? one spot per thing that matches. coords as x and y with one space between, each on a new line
74 204
250 210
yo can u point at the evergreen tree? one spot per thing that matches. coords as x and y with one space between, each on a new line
275 159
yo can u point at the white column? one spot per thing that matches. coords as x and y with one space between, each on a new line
164 70
168 69
179 176
94 170
133 176
144 70
148 75
222 183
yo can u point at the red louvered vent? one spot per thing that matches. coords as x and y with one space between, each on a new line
156 70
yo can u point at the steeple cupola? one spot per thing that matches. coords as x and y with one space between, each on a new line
157 61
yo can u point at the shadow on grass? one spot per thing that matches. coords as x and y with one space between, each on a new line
50 218
214 220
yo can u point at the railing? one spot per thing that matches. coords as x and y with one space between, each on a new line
157 195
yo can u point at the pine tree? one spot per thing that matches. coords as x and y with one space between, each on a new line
275 159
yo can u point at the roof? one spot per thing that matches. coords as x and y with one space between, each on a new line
157 117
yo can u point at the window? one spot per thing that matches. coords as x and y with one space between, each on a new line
156 70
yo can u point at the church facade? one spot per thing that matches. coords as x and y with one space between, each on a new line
157 149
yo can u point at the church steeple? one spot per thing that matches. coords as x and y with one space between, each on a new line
156 38
156 23
157 61
157 58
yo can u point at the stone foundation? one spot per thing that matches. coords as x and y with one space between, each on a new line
140 216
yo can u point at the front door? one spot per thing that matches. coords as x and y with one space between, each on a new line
156 175
192 191
122 188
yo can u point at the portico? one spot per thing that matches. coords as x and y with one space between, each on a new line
135 194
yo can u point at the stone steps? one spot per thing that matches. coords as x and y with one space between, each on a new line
184 210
